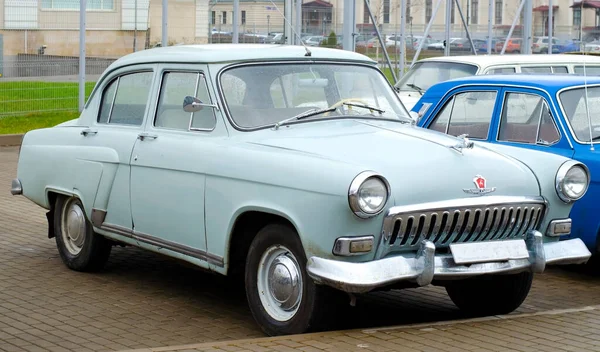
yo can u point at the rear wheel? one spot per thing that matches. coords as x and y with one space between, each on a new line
490 295
282 297
80 248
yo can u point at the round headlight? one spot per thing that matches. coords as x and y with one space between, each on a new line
572 181
368 194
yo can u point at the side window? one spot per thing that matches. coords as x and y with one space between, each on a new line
467 113
560 69
536 69
175 87
589 70
527 119
125 99
501 70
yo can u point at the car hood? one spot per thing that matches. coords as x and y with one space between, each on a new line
419 164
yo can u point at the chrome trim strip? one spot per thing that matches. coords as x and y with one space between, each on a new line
15 187
98 217
175 247
424 266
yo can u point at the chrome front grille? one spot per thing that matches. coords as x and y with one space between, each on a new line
464 220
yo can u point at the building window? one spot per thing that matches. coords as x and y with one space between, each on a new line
474 11
576 16
213 19
243 17
408 14
224 17
452 4
74 4
428 10
365 14
498 12
386 11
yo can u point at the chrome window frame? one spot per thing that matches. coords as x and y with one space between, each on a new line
450 118
562 110
199 74
506 92
370 65
503 85
103 89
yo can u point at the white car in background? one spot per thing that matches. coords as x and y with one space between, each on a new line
427 72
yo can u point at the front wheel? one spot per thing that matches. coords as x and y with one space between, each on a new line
80 248
282 297
490 295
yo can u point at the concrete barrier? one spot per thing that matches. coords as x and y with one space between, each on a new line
10 140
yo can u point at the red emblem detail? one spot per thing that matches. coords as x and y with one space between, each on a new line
479 181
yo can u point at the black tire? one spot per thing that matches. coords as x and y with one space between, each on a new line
490 294
313 308
94 249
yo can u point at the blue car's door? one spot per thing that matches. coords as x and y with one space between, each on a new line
168 167
528 118
467 110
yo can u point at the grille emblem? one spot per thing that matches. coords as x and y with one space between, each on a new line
480 184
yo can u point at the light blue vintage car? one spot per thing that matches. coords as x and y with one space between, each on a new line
300 170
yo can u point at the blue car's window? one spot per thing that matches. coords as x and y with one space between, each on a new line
125 99
175 87
576 108
526 119
467 113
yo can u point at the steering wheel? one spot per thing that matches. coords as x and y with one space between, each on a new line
347 100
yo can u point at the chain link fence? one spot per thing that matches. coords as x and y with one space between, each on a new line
39 39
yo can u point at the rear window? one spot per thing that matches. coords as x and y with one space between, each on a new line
425 74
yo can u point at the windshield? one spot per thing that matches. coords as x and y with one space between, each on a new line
262 95
425 74
573 103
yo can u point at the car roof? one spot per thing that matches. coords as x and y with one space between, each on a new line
548 82
215 53
488 60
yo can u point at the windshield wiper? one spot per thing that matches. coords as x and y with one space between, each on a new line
370 107
303 115
415 87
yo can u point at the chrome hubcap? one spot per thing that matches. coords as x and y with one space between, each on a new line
73 226
279 283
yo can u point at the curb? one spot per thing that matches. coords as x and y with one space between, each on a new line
10 140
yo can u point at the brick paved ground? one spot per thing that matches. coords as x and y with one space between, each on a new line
143 300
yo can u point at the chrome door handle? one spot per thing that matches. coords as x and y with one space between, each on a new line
145 135
87 131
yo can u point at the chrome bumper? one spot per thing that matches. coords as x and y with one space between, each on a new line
15 187
425 266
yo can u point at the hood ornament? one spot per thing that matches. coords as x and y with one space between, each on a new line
464 143
480 184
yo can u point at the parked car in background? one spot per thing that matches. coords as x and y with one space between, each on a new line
440 44
427 72
513 46
540 45
535 112
569 46
280 165
592 47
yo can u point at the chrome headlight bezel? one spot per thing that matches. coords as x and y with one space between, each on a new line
561 174
353 194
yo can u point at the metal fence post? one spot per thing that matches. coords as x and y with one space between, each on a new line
528 20
403 38
490 21
165 15
550 29
82 26
448 27
298 41
235 38
349 25
512 27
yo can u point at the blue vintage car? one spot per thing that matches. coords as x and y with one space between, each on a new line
555 114
299 171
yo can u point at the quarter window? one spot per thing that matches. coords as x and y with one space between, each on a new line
527 119
467 113
175 87
125 99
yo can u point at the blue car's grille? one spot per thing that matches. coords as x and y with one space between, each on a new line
471 220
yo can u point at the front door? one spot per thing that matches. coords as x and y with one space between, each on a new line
168 172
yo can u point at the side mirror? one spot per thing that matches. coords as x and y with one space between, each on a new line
191 104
